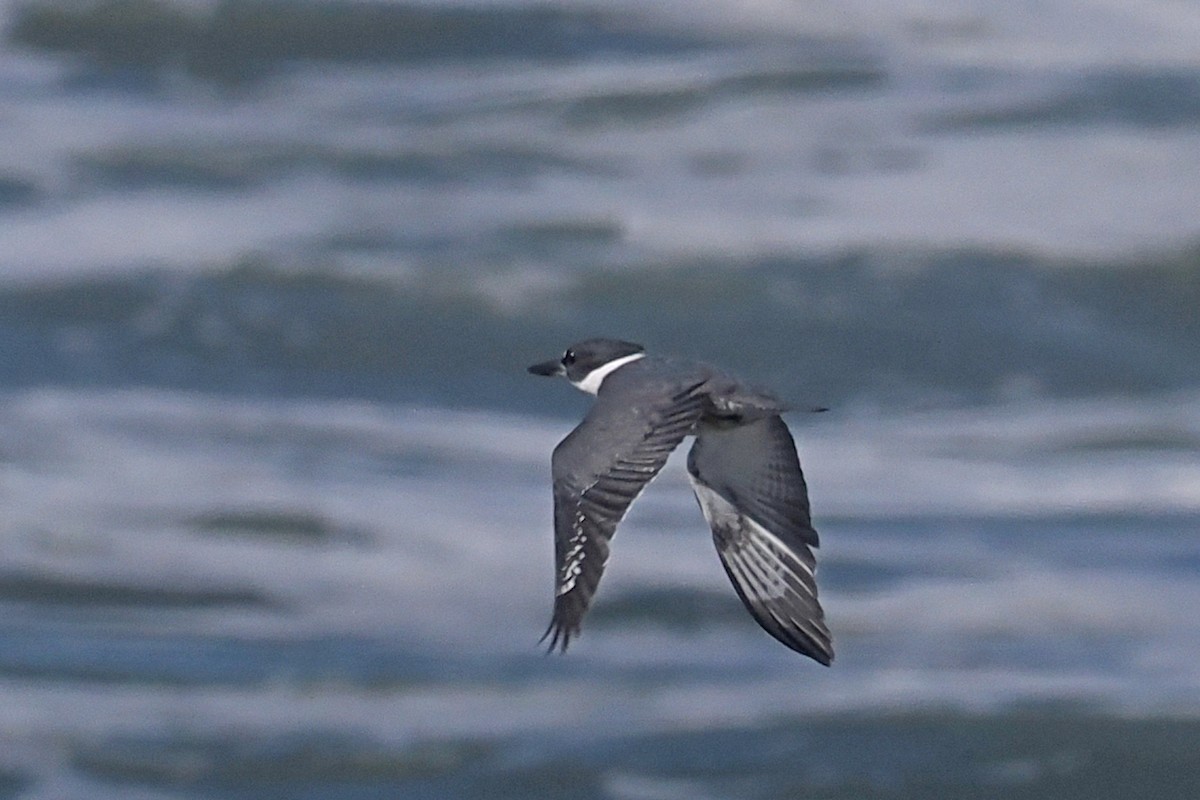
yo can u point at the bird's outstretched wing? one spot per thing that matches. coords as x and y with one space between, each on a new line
599 470
752 492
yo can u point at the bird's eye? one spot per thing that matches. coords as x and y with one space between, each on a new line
568 358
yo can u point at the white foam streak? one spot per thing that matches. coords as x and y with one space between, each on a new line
1092 456
162 229
112 494
1034 603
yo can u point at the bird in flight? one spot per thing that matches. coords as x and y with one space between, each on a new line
743 468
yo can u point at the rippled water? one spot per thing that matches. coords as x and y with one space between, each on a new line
275 483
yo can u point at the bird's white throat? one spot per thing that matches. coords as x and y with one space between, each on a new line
590 383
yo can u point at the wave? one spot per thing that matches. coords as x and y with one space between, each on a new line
259 34
59 591
318 516
1063 752
233 42
199 587
1152 99
948 328
666 135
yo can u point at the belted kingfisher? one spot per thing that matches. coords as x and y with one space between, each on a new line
743 468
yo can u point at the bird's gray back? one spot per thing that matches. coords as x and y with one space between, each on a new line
624 409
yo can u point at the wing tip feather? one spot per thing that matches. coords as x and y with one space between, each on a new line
559 635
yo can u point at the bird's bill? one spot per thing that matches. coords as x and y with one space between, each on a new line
547 368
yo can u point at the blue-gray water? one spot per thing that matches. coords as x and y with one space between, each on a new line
276 519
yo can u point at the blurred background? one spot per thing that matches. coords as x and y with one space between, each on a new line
275 486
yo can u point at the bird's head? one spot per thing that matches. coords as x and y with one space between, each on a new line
586 364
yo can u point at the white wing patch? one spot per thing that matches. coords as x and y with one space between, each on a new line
764 540
574 557
759 560
573 560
